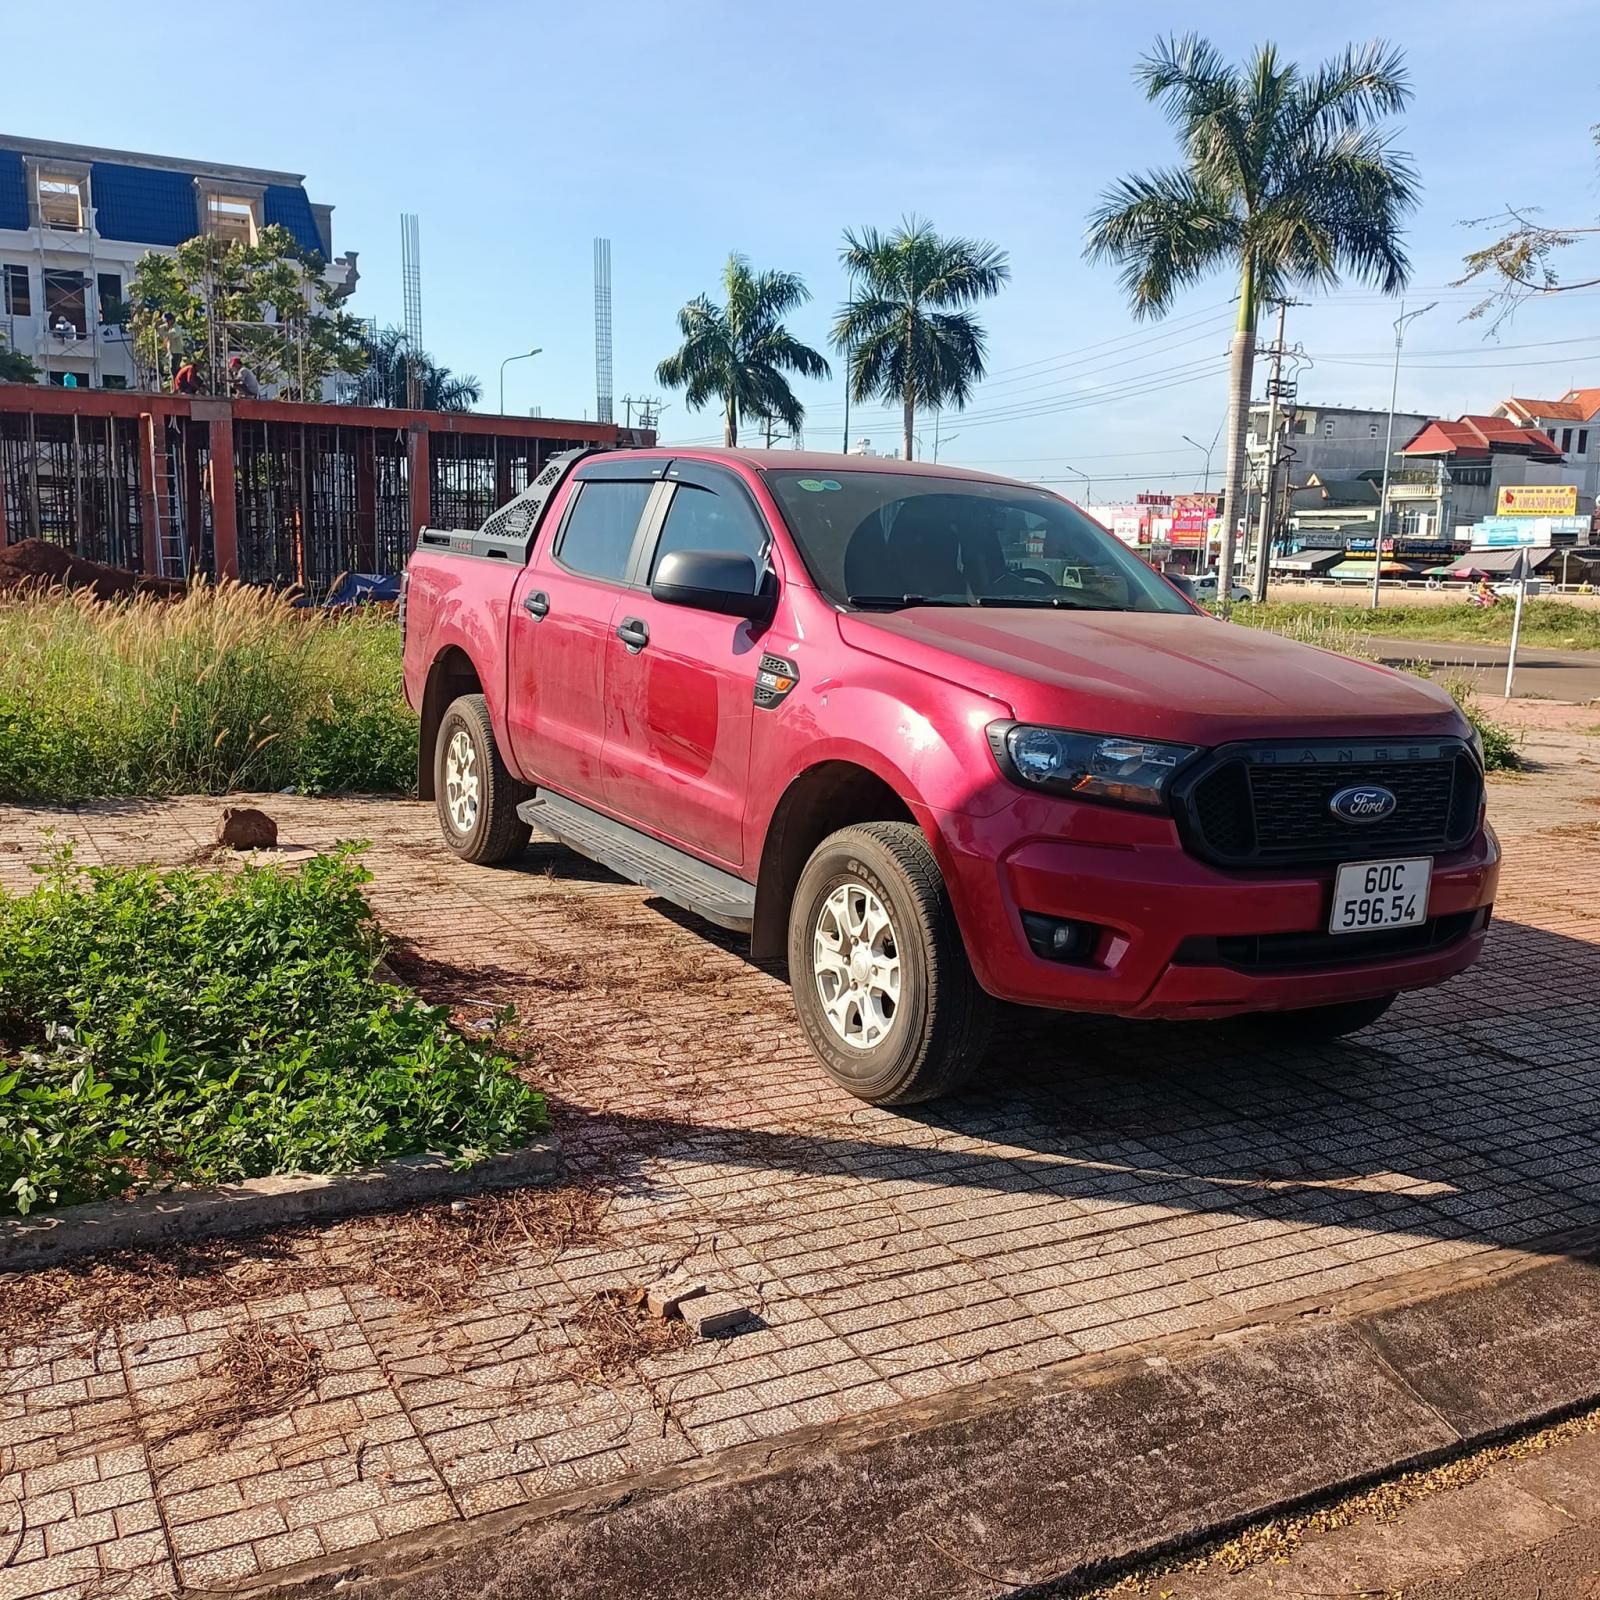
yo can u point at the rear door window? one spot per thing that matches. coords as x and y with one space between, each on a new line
597 540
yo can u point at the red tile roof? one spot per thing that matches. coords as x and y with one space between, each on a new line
1479 436
1553 410
1576 405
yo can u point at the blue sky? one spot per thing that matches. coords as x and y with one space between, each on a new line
683 130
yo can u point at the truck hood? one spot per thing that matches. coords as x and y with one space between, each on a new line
1161 675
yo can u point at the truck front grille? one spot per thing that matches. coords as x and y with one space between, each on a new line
1269 804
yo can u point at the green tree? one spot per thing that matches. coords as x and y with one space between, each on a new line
16 367
904 329
738 352
384 381
266 303
1287 178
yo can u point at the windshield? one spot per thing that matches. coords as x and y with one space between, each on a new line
887 539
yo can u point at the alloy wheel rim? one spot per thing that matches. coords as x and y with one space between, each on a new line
462 789
855 959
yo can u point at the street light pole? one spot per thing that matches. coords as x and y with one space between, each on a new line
538 350
1088 482
1388 445
1205 450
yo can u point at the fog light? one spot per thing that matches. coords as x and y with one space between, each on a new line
1059 938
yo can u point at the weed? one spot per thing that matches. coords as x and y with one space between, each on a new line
1556 624
227 688
207 1026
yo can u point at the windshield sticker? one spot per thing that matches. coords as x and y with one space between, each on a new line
818 485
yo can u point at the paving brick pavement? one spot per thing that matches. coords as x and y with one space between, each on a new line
1103 1185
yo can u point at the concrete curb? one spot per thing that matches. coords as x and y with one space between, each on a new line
1030 1484
151 1220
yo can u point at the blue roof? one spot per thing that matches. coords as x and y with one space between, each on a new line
13 192
145 205
287 205
153 205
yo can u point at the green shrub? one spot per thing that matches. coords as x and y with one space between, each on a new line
1499 742
228 688
209 1026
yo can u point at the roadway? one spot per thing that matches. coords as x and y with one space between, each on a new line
1572 675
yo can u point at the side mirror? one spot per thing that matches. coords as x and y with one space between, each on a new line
708 580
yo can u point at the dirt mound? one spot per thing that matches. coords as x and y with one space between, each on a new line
37 562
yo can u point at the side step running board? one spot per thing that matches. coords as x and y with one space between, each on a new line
709 892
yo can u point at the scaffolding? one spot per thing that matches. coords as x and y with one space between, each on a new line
311 491
411 286
602 329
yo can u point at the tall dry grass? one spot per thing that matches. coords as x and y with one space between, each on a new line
228 688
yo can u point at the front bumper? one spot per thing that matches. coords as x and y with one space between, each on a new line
1173 925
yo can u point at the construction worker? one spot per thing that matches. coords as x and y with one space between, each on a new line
241 380
186 380
173 345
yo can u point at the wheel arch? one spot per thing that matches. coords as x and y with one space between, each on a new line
452 675
831 795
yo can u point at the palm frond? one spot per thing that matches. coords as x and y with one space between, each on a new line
1166 231
1366 82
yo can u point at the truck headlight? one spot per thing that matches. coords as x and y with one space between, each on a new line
1088 766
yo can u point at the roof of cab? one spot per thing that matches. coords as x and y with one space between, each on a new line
823 461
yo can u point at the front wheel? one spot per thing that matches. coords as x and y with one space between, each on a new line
476 795
882 984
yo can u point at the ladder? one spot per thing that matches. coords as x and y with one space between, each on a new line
172 549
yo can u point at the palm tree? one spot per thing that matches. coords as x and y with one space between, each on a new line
384 382
1286 179
907 338
738 352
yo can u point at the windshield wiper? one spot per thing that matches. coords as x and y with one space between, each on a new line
896 602
1047 602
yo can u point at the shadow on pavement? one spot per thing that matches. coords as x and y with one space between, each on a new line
1469 1113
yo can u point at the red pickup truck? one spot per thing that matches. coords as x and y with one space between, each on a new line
939 740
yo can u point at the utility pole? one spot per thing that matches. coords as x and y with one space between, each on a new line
1388 450
1269 463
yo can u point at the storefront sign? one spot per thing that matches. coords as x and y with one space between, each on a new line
1498 532
1193 513
1495 533
1538 500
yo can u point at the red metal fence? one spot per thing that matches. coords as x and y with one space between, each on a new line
263 490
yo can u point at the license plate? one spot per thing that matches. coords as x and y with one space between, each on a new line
1380 894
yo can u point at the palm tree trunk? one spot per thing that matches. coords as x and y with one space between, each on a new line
730 424
910 396
1241 371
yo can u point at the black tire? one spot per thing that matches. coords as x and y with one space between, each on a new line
494 832
940 1024
1314 1024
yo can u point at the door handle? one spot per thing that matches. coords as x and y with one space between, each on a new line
635 633
537 605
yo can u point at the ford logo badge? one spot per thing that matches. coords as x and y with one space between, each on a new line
1366 803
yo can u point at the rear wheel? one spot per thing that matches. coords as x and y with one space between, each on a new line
1315 1023
476 795
882 984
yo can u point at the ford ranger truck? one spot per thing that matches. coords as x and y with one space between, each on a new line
940 741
